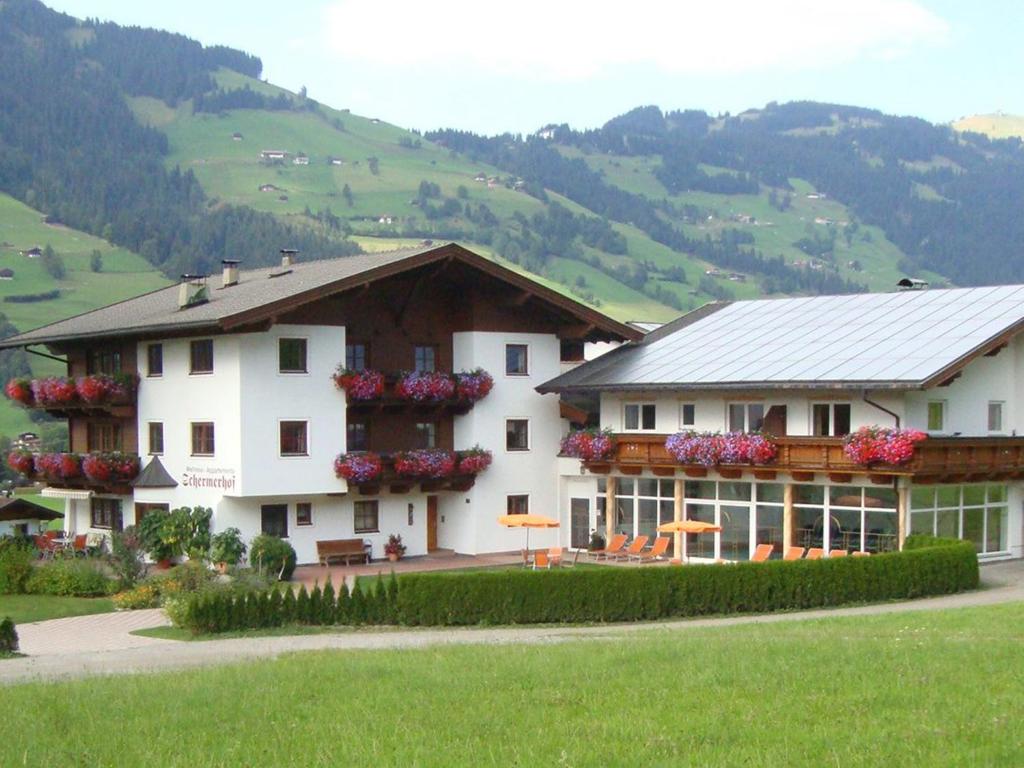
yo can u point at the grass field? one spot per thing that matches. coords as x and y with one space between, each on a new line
996 126
942 688
25 608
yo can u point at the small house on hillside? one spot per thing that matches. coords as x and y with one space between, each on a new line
335 161
6 274
269 188
273 155
33 253
301 159
236 136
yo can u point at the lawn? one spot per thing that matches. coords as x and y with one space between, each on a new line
930 688
26 608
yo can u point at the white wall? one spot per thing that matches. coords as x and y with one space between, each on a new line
472 528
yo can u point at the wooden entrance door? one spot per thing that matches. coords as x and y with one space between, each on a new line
431 523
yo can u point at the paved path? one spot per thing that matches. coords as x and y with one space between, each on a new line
100 646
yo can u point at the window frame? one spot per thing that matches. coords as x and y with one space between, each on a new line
350 355
830 405
746 405
280 438
276 508
309 519
529 436
434 354
304 370
999 430
356 506
928 416
432 430
682 415
509 503
149 438
116 514
642 406
213 437
103 360
158 348
526 360
97 431
193 346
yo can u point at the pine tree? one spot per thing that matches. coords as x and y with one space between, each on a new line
393 599
275 608
315 599
302 606
357 606
288 607
381 613
344 606
328 607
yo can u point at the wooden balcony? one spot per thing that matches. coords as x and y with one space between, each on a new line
936 460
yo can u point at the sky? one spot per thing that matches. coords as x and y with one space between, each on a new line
488 67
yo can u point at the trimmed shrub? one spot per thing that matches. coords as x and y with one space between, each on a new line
70 578
272 556
16 558
8 637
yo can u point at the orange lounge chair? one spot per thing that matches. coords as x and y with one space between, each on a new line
860 554
632 550
555 555
838 553
656 552
815 553
541 560
794 553
80 545
762 553
614 546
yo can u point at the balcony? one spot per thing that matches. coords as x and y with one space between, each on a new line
429 469
935 460
103 472
430 392
94 395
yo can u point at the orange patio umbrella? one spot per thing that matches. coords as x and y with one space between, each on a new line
689 526
528 522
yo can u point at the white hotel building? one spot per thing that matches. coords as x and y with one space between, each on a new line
236 409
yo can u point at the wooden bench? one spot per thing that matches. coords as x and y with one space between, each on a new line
341 549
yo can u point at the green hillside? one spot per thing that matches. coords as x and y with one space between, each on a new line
123 274
996 126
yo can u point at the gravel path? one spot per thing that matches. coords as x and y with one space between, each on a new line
100 644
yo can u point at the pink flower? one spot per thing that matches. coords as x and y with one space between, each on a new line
473 386
425 386
474 461
588 444
425 462
360 385
358 467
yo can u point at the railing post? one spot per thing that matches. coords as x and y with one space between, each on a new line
787 517
609 508
677 516
902 510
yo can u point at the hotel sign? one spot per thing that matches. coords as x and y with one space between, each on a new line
216 478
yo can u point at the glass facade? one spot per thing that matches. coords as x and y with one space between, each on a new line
977 513
850 517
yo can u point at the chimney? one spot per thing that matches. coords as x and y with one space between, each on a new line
288 256
192 291
230 267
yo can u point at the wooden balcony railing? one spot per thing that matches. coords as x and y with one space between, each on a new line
936 459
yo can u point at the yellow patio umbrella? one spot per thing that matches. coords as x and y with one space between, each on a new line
528 522
689 526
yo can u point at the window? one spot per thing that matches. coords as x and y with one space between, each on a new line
936 415
303 513
358 436
294 438
103 436
517 360
638 417
356 356
426 434
977 513
995 417
517 504
366 517
425 358
156 438
687 414
202 438
274 520
106 513
154 359
291 355
830 419
201 356
746 417
517 434
103 361
143 508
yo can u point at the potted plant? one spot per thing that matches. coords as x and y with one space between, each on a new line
596 542
227 548
394 549
154 540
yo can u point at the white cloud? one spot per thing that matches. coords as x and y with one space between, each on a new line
570 40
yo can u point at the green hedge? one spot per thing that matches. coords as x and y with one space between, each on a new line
603 594
8 637
71 578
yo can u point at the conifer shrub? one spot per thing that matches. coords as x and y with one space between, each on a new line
8 637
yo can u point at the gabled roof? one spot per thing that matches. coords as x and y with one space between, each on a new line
262 294
155 475
15 508
903 340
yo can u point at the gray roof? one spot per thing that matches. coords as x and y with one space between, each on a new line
908 339
155 475
259 293
17 508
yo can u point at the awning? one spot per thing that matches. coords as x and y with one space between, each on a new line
65 493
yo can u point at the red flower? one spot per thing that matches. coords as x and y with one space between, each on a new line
54 390
588 445
360 385
358 467
426 462
58 466
21 461
473 386
20 390
425 386
474 461
882 445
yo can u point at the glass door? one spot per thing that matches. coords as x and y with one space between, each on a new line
701 546
579 522
735 536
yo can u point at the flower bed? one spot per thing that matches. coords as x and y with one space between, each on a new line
474 461
425 463
588 444
473 385
110 467
360 385
358 467
425 386
882 445
711 448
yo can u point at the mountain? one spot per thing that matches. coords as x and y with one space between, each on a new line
997 125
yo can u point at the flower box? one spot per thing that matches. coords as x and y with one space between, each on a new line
588 444
474 461
110 467
358 467
20 390
54 391
425 386
58 466
425 463
102 389
882 445
22 462
709 449
360 385
473 385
